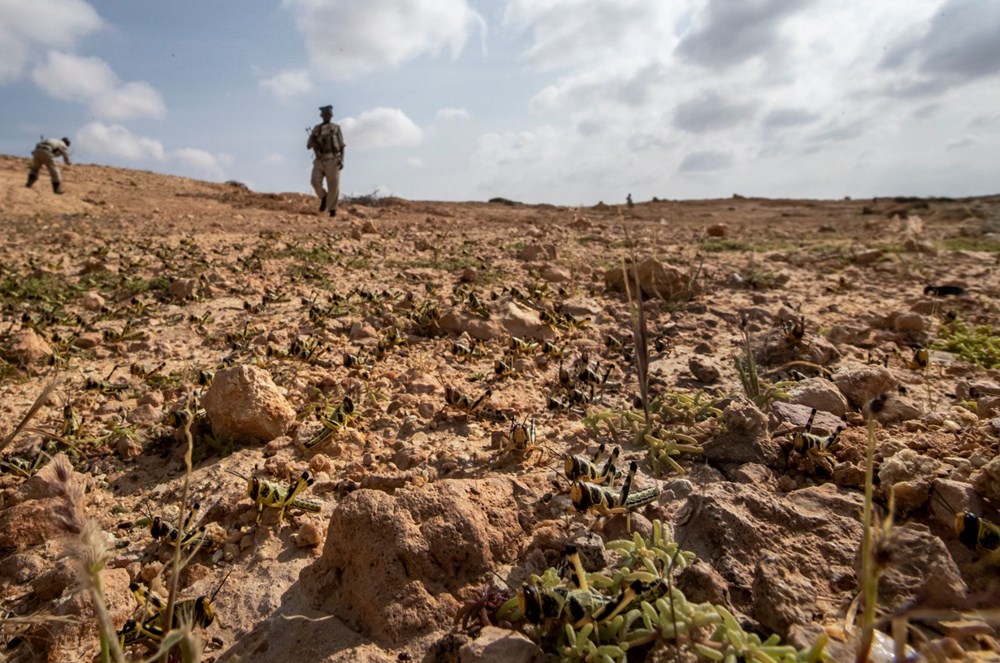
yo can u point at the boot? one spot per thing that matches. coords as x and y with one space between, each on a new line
322 204
32 178
57 188
333 212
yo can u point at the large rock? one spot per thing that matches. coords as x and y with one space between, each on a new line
507 318
26 348
244 404
862 382
746 439
919 567
60 640
393 564
819 393
769 547
655 278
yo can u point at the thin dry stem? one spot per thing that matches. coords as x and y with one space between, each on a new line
32 411
177 562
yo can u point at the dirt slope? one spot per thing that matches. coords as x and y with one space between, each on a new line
131 284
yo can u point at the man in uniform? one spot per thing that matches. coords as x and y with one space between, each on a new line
45 154
327 142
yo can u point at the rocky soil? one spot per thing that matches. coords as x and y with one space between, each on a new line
163 306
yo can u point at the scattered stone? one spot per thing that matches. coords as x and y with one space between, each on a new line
555 274
955 497
745 440
907 465
21 568
700 583
866 257
127 448
703 370
244 404
92 301
308 536
986 481
499 645
533 252
183 289
898 409
88 340
144 414
819 393
27 348
911 322
717 230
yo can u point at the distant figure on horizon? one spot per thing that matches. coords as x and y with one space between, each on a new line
45 154
327 142
628 201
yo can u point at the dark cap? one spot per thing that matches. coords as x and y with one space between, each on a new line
326 109
66 140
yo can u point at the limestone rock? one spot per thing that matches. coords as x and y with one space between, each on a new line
555 274
184 289
29 523
809 538
703 370
533 252
986 481
907 465
244 404
861 383
745 440
717 230
61 638
819 393
27 348
426 543
919 566
499 645
656 279
912 322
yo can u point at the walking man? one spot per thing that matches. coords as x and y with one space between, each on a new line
327 142
45 154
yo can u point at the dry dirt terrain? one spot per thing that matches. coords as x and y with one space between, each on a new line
170 312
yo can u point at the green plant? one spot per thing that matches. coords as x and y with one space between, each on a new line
758 390
979 345
651 614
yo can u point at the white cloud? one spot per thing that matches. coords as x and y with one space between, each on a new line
579 33
274 159
379 128
706 160
416 162
99 140
91 81
288 84
29 27
452 114
201 162
346 39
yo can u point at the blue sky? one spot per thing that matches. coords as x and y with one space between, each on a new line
559 101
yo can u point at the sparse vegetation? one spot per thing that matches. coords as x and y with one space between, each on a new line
979 345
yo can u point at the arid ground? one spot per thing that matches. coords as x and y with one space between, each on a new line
166 308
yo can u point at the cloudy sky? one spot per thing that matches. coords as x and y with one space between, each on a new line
560 101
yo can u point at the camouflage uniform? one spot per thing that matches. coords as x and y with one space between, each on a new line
45 154
327 142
